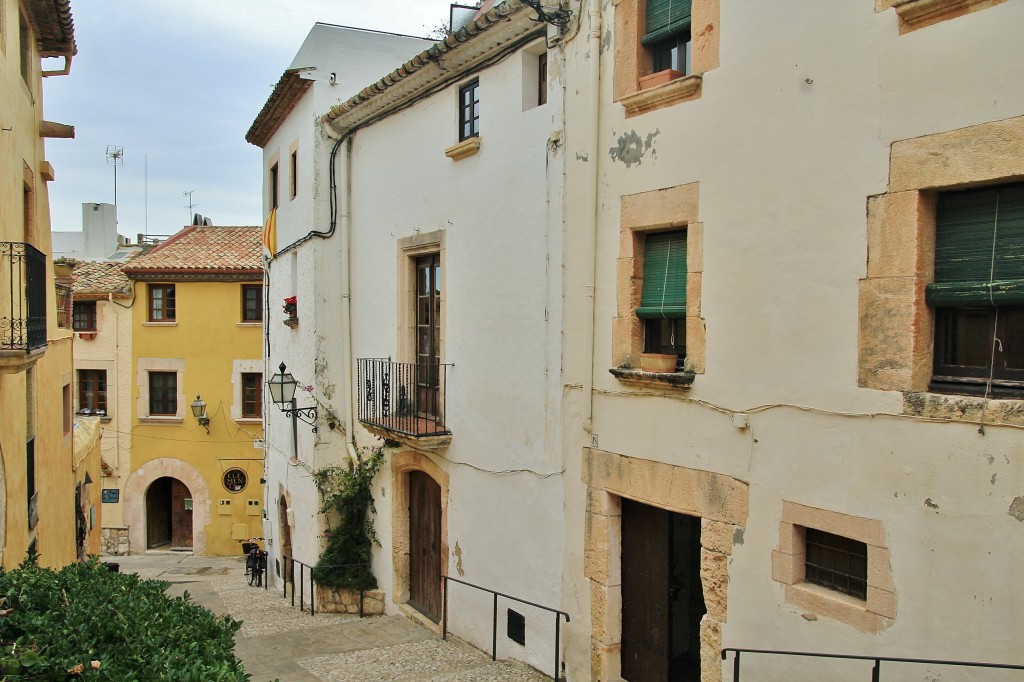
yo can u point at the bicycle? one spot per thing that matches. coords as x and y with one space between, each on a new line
255 561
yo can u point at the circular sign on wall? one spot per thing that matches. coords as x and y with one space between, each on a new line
235 480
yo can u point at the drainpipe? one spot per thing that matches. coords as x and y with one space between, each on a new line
345 222
590 250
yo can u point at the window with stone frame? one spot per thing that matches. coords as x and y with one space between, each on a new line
92 391
978 292
663 296
252 395
163 393
162 303
667 36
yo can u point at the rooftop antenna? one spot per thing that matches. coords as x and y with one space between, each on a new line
188 195
115 158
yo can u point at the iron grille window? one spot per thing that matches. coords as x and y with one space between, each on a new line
252 303
163 393
252 395
84 316
469 110
161 303
838 563
92 391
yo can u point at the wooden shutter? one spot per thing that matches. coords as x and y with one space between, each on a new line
665 18
664 286
979 248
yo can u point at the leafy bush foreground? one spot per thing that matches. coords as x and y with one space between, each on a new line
87 622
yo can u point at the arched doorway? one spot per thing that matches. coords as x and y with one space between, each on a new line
286 539
425 544
168 514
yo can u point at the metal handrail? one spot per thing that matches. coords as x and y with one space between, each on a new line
23 313
876 668
290 580
404 397
494 617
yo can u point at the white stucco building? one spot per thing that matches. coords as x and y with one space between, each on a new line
98 239
812 211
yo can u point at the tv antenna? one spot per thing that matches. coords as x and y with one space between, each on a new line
115 158
188 195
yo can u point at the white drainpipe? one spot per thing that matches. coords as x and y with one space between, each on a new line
590 251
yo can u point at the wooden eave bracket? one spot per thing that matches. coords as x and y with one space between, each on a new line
46 171
52 129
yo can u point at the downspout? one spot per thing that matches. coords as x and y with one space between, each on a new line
345 222
590 250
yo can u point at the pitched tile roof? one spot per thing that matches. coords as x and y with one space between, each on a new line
282 100
100 278
55 26
203 251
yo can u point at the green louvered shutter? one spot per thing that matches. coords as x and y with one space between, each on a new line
979 248
664 292
665 18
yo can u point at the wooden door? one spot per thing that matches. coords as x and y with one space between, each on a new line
158 513
428 333
425 545
181 518
645 592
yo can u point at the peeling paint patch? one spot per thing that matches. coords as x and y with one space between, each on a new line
458 560
993 481
631 148
928 503
990 458
606 41
737 536
582 156
1017 508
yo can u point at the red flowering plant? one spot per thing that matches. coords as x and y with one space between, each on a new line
291 306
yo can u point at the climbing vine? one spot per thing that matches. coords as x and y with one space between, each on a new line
346 496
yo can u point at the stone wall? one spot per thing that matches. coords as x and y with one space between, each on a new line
114 541
340 600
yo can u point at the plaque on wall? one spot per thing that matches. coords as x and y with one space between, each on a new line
111 495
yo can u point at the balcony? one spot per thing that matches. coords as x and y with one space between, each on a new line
22 305
403 401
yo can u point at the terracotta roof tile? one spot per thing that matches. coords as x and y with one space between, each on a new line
100 278
203 251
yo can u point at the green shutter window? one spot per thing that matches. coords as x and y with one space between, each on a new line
664 292
979 248
666 18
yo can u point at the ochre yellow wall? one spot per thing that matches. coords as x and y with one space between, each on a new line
208 336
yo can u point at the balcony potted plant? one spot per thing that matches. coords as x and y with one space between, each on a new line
291 311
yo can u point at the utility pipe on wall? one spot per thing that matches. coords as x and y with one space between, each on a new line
590 250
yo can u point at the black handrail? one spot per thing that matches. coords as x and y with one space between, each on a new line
876 669
290 580
23 323
404 397
494 617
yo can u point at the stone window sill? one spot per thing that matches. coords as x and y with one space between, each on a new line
464 149
250 420
258 325
635 377
679 90
159 324
915 14
166 421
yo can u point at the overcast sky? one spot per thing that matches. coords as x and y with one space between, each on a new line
179 82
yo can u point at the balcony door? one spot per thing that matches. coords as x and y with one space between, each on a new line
428 335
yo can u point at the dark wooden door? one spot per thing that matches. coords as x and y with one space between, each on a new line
662 596
428 333
645 592
181 518
425 545
158 513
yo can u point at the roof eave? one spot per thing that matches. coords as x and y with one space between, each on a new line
289 90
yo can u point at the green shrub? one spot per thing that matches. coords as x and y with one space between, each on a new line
347 496
59 620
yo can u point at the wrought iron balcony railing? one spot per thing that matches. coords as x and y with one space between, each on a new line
22 297
402 398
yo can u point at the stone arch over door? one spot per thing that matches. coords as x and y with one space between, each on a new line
402 463
135 500
284 534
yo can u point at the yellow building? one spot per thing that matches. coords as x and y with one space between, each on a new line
39 481
197 389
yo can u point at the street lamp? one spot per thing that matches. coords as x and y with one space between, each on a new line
199 412
282 392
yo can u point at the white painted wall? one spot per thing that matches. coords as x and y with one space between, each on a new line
97 239
785 167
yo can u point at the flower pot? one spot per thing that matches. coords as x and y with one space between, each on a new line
659 78
292 322
88 336
660 363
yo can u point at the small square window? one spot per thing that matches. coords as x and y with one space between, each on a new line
252 303
838 563
163 393
161 303
469 110
84 316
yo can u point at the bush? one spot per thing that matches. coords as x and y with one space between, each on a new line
347 496
57 623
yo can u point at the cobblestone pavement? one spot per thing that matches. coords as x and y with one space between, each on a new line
277 641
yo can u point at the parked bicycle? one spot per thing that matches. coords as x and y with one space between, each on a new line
255 560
